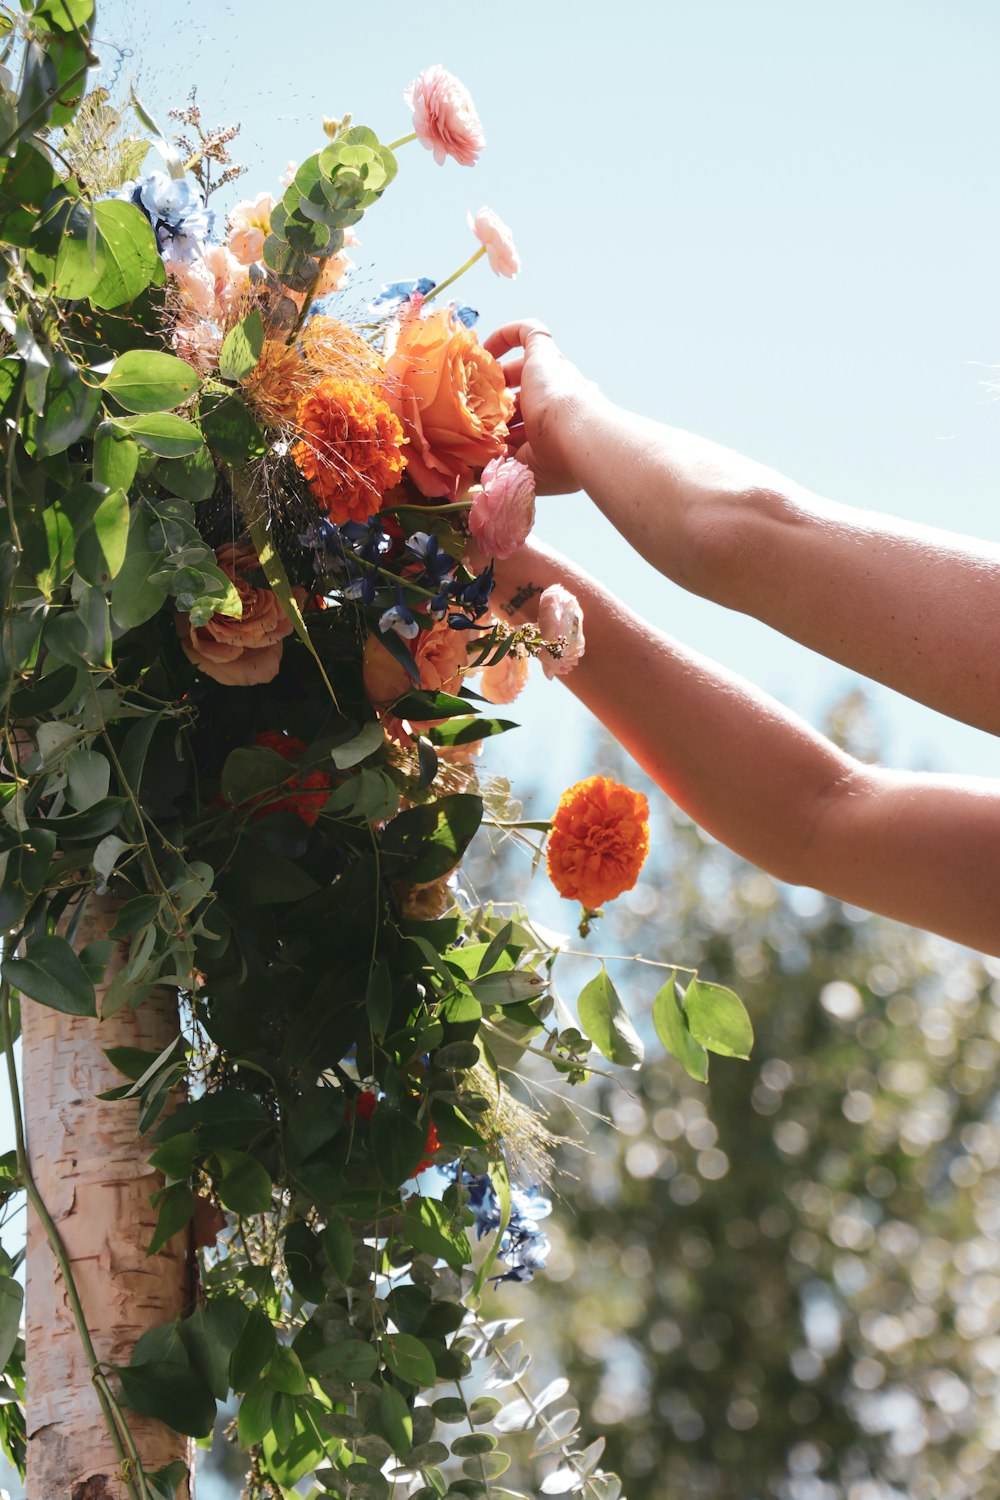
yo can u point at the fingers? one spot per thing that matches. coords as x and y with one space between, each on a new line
514 336
512 372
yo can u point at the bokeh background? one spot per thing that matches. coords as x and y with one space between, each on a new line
778 225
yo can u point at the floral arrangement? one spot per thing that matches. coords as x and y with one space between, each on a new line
248 663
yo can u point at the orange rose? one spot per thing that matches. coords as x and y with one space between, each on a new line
440 655
599 839
450 396
239 652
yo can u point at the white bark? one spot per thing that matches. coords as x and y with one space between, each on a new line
89 1164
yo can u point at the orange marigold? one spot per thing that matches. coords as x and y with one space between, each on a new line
306 794
599 839
351 451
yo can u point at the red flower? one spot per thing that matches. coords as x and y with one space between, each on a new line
306 794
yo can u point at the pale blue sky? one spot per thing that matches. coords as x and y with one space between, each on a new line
776 224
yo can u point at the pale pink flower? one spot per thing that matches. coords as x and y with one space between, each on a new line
288 175
231 281
503 512
502 683
560 618
249 226
492 233
444 116
199 344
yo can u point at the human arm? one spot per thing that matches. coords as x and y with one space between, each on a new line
910 606
921 848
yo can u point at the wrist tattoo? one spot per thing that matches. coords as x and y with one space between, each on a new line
519 599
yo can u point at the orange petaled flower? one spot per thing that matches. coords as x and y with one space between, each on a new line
599 839
307 794
277 383
351 448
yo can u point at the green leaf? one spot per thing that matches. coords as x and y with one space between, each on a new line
131 256
468 729
408 1359
246 1186
429 1226
254 1417
79 265
605 1021
250 771
304 1259
338 1247
116 458
88 778
369 738
241 348
672 1029
430 840
717 1018
395 1420
285 1372
52 974
348 1360
274 569
100 551
398 1144
175 1157
175 1208
254 1347
193 478
171 1393
230 430
11 1303
145 380
162 432
70 407
272 881
27 866
134 599
210 1335
165 1482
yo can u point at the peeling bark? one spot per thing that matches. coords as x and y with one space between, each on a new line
89 1164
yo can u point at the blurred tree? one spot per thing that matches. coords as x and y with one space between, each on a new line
787 1284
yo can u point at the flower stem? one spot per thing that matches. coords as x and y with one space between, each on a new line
456 274
404 140
124 1444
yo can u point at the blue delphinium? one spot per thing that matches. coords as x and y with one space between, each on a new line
400 618
176 208
394 293
524 1246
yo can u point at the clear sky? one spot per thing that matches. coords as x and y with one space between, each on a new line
776 224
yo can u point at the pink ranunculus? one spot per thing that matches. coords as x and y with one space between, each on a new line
444 116
231 281
503 512
502 683
560 618
494 235
249 226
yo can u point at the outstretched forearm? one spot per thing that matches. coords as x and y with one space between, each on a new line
912 607
925 850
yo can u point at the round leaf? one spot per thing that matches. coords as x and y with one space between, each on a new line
145 380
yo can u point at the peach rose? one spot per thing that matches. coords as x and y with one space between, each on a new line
451 398
502 683
444 117
440 654
497 240
249 226
503 512
560 618
239 652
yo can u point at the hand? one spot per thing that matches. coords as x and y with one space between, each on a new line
550 395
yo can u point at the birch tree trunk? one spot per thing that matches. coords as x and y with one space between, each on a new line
89 1164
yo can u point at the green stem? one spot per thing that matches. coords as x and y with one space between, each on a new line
117 1426
540 826
456 274
432 510
404 140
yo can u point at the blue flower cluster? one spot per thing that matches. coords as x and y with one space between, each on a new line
524 1245
394 293
176 208
354 551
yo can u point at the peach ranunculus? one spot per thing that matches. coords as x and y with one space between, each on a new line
239 652
249 226
211 285
498 242
444 117
451 398
560 618
198 344
503 683
503 511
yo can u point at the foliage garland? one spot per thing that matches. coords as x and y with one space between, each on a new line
238 613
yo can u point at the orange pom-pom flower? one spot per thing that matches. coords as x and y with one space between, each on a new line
351 449
598 842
